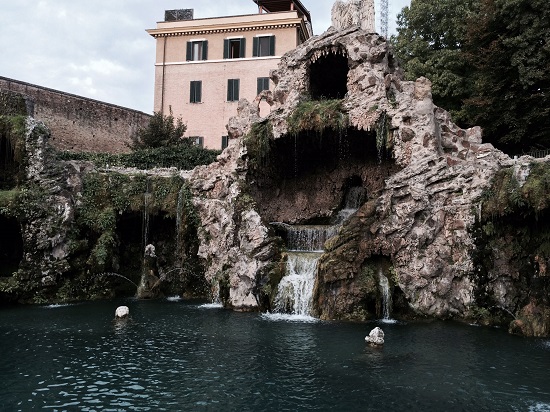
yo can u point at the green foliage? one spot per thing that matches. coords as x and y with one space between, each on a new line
505 196
429 43
258 143
489 62
163 130
7 198
318 116
183 157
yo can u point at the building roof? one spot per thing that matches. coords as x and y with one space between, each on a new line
283 5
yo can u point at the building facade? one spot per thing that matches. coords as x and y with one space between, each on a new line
204 66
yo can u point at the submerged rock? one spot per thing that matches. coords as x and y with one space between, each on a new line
375 337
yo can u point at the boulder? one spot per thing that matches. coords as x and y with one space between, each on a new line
375 337
122 312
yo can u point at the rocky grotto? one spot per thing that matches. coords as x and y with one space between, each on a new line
457 228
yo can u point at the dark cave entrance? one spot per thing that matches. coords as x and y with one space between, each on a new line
133 236
306 178
11 246
9 166
328 77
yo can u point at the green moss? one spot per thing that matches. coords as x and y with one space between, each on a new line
7 198
505 195
183 157
318 116
258 143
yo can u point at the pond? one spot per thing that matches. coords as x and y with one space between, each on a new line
174 355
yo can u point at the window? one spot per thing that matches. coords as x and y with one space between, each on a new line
197 50
263 46
196 91
263 84
233 48
197 140
233 90
225 142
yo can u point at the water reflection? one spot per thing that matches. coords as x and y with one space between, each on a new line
182 357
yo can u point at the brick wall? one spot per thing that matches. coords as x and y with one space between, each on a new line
78 123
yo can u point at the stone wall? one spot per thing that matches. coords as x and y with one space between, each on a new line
78 123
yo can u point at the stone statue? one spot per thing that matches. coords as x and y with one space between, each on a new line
353 13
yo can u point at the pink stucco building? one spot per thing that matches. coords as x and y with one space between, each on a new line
204 66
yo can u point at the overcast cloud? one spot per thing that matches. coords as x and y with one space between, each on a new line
99 48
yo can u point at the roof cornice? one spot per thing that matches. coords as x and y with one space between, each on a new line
225 28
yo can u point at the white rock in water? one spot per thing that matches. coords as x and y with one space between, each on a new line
376 336
122 312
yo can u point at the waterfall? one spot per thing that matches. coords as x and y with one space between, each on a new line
295 291
384 284
306 244
308 238
145 225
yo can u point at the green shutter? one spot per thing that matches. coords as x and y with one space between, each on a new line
259 85
229 90
198 93
236 92
205 50
226 49
272 46
255 46
189 51
243 45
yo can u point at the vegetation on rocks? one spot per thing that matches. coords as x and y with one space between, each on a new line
489 64
318 116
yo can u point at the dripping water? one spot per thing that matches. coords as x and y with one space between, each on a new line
145 224
384 285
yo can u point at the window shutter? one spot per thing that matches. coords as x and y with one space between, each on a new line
189 51
198 93
205 50
259 85
236 91
226 49
243 45
225 142
229 90
272 46
255 46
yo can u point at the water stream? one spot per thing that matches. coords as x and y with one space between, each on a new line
306 244
384 285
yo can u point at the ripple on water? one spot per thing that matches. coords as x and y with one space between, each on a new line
285 317
211 306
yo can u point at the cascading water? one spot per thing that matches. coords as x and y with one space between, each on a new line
384 284
145 226
295 290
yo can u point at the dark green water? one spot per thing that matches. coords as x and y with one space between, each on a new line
183 357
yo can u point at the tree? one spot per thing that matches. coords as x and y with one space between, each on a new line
162 130
429 43
509 47
489 62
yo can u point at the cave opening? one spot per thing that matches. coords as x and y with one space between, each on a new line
133 236
306 178
11 246
328 77
9 166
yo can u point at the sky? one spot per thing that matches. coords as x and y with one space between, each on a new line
99 48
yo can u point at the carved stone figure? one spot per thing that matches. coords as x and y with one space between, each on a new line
353 13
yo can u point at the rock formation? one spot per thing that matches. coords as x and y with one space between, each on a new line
458 228
122 312
375 337
353 13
